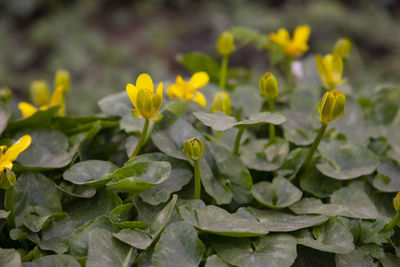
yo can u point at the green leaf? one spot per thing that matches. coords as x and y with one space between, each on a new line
247 99
90 172
281 221
279 194
54 260
270 250
179 245
124 217
4 214
141 239
73 190
218 221
259 155
140 176
104 250
181 171
354 258
42 118
293 162
36 199
388 177
117 104
10 258
198 61
333 236
390 260
216 261
345 161
48 150
131 124
5 114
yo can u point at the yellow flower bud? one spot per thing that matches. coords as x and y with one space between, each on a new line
342 47
332 106
193 148
396 202
330 69
62 78
7 178
222 102
225 44
40 94
268 86
5 94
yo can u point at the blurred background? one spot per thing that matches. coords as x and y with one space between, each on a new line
105 44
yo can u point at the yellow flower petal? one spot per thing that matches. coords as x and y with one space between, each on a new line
175 91
144 81
301 35
200 99
179 80
159 90
132 92
12 153
5 164
57 99
199 79
39 91
282 37
26 109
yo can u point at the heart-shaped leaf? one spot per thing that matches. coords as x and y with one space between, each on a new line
90 172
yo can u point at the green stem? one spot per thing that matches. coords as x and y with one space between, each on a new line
237 142
271 126
128 258
219 135
312 150
197 180
141 139
393 222
224 70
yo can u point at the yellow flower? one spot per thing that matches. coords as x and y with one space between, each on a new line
295 46
40 98
342 47
7 156
193 148
268 86
330 69
222 102
144 99
62 78
332 106
187 90
225 44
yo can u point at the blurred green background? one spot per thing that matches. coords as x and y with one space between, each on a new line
105 44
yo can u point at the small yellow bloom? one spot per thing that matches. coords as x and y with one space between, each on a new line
225 44
7 156
222 102
396 202
144 99
187 90
295 46
62 78
342 47
39 91
330 69
57 99
193 148
332 106
268 86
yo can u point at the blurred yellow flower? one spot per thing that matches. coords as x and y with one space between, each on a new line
41 97
7 156
225 44
332 106
330 69
295 46
187 90
222 102
144 99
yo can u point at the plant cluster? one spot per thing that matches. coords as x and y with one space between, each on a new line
218 171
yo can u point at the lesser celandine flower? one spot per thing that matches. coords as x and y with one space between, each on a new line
62 78
269 89
330 69
292 47
342 47
330 108
194 149
225 44
147 102
7 156
184 90
222 102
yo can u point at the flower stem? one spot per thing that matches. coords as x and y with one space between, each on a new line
141 139
237 142
271 126
218 136
224 70
312 150
197 181
393 222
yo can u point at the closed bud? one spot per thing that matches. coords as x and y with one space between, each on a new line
40 94
193 148
225 44
5 94
7 178
332 106
268 86
396 202
343 47
62 78
222 102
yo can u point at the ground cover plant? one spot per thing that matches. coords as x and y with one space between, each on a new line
207 170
